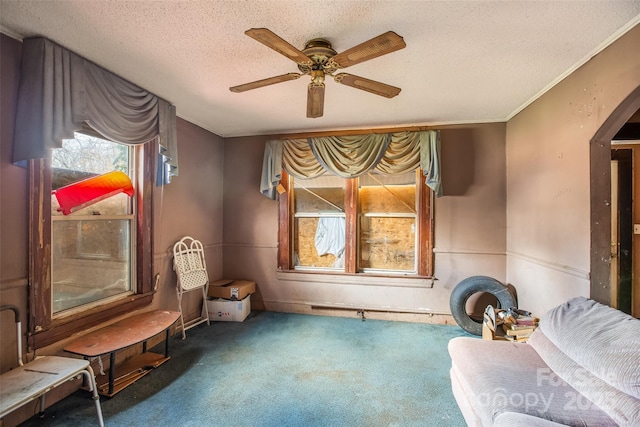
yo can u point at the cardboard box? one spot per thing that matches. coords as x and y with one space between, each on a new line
231 289
225 310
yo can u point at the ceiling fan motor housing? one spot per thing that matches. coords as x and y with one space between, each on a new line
320 52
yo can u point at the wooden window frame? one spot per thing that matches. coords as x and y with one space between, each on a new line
43 329
424 251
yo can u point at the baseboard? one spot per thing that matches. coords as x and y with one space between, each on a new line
362 313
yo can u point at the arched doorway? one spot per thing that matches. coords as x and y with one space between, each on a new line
600 173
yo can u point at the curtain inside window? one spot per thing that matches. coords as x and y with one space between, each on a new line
59 91
352 156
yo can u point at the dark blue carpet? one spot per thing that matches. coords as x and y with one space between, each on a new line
277 369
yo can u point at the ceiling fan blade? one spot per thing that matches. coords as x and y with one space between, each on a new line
275 42
372 86
315 100
377 46
265 82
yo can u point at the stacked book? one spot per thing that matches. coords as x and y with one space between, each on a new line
521 329
511 324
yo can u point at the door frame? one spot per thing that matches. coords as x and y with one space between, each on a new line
600 176
614 276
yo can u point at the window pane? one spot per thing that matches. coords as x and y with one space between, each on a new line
319 223
381 193
85 157
387 222
319 242
90 261
387 243
322 194
118 204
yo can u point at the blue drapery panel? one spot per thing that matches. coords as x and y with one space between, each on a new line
352 156
271 168
59 91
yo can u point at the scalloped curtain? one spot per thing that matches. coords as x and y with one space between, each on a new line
59 91
352 156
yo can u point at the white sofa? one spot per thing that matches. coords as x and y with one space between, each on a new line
581 367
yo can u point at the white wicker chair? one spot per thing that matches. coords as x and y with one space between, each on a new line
191 269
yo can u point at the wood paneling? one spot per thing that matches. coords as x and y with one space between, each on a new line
284 223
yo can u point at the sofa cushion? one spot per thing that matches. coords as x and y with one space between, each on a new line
499 376
623 408
603 340
515 419
462 399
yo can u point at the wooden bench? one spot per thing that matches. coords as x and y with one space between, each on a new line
119 336
32 380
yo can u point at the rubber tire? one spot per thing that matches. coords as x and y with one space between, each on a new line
472 285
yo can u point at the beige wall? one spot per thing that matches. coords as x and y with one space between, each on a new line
190 206
548 178
14 206
470 233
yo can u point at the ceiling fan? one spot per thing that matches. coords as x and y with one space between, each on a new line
318 59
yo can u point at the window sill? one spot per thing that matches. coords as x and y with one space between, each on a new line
368 279
64 328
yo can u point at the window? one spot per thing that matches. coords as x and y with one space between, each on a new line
91 248
96 262
374 224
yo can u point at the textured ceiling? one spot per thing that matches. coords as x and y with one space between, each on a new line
465 61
